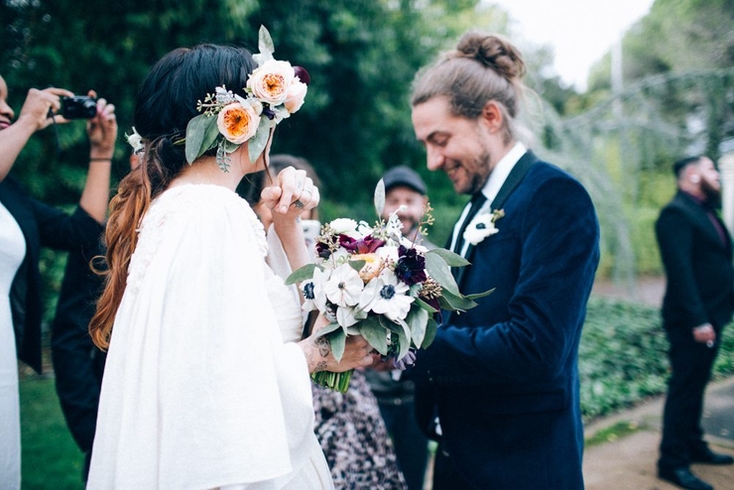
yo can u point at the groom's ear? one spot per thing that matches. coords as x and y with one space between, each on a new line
493 116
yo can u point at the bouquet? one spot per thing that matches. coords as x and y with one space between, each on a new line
373 281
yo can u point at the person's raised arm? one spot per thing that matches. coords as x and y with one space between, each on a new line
102 132
33 116
292 194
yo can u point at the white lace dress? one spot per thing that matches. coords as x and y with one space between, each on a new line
12 252
199 390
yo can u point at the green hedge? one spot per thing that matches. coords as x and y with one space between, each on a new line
623 356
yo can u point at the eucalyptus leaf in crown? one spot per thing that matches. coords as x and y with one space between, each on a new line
274 91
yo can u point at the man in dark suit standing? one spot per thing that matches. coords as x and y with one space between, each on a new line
699 300
501 380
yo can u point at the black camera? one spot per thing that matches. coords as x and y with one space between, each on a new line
78 107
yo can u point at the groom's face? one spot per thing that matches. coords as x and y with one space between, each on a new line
457 145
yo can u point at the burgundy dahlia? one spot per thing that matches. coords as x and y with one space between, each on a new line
411 266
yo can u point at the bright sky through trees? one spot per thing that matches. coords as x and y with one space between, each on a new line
580 31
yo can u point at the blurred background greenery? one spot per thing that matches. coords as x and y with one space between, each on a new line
673 96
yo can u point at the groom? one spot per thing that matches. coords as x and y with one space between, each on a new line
499 386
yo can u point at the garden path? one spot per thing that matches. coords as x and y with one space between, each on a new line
628 462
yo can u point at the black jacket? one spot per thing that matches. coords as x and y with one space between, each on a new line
47 226
698 265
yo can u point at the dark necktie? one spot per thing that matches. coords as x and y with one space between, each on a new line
717 224
477 201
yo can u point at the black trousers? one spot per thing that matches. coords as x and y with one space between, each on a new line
691 364
411 445
445 476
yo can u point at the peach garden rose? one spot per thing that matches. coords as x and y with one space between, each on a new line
296 96
237 122
271 82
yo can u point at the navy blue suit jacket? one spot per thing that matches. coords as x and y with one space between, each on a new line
503 376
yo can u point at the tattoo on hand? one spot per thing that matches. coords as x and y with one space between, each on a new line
324 349
324 346
320 366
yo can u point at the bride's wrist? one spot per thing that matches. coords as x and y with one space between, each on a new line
286 222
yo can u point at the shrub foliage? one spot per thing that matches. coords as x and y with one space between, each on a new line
623 356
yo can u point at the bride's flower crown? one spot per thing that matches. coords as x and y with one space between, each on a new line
274 91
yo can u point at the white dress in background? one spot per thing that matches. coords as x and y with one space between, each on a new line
200 391
12 252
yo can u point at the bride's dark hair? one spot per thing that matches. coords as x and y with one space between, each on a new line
483 67
166 102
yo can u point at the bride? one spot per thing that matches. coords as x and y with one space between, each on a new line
200 390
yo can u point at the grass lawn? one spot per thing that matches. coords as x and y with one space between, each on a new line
51 459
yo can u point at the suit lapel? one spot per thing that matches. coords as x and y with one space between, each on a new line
513 180
699 213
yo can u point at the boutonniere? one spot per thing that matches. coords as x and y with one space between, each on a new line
482 226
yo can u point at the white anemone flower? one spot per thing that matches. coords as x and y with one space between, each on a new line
344 286
386 295
346 316
308 290
388 253
313 291
135 140
344 226
363 229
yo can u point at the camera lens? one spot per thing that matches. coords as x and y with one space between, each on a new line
78 107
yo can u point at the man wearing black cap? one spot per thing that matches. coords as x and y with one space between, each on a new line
395 395
404 187
699 300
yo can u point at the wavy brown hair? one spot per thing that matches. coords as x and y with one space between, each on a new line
166 102
483 67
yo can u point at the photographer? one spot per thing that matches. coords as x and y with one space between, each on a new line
26 225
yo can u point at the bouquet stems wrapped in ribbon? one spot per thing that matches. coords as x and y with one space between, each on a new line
374 282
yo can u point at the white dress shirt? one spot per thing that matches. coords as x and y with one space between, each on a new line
491 188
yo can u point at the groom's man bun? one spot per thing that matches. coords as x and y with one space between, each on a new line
482 68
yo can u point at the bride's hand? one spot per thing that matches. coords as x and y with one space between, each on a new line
292 194
357 353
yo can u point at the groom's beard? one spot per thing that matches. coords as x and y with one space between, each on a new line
713 194
479 179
